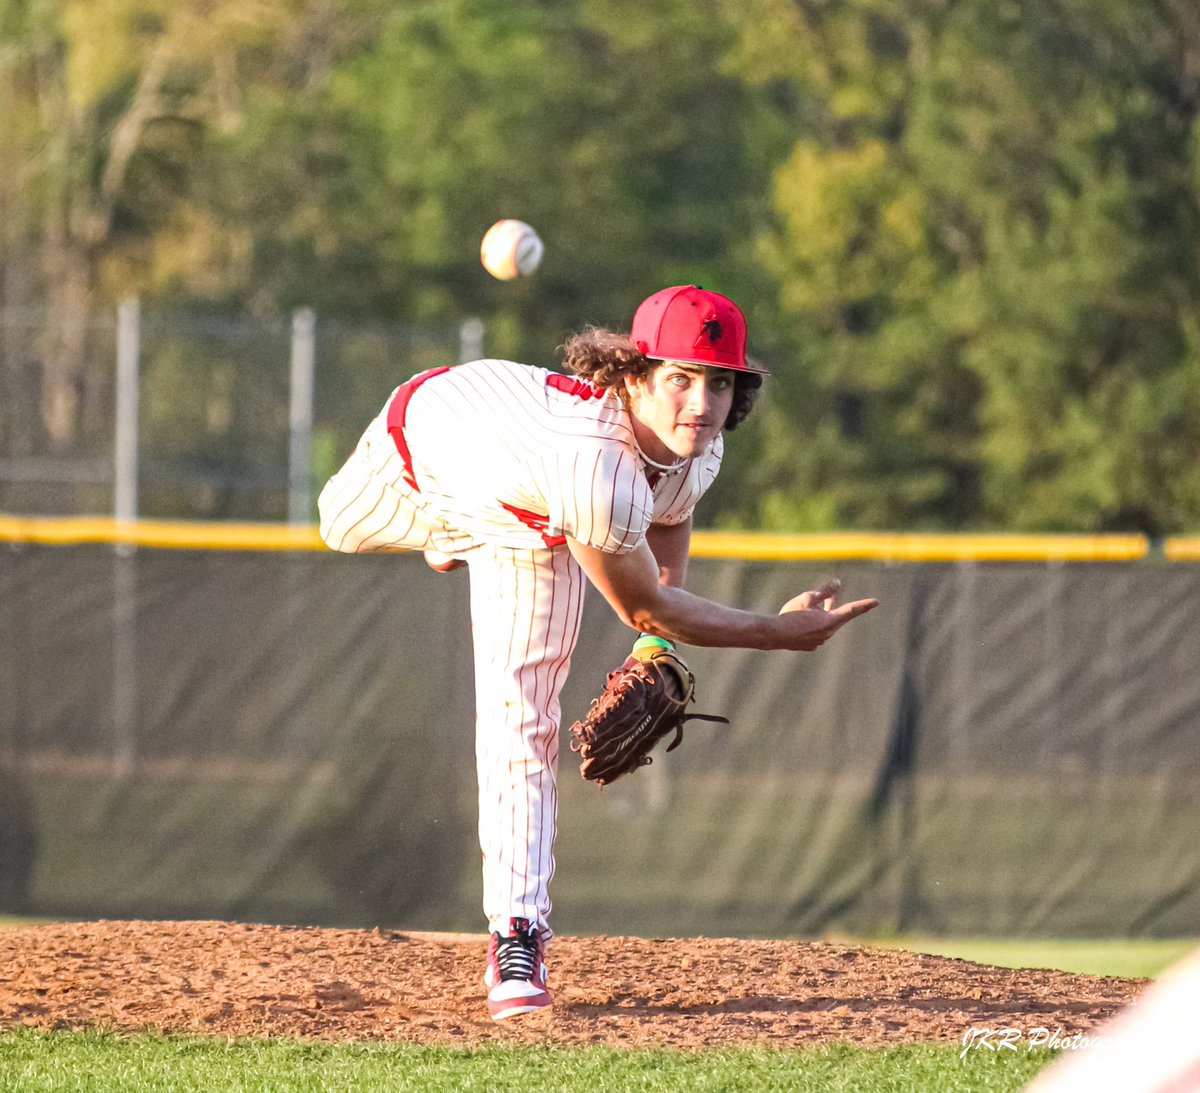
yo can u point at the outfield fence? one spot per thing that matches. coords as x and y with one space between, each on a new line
202 720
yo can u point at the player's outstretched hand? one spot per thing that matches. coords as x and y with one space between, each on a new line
813 617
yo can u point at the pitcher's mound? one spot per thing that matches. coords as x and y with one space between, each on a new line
235 980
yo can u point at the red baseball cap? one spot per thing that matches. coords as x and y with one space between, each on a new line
693 326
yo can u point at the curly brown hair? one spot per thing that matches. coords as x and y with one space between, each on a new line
605 358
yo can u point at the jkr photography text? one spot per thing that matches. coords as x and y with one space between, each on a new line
1016 1039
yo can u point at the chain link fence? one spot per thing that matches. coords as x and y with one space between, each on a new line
214 404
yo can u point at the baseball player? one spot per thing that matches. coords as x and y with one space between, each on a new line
537 481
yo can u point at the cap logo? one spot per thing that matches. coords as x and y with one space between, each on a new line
712 330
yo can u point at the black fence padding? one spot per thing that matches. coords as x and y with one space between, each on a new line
1001 749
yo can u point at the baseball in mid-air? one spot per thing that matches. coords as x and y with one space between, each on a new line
511 249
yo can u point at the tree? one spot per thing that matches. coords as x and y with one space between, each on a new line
105 103
871 421
613 130
1067 148
984 238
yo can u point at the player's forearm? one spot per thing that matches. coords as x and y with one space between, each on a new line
630 583
680 616
633 586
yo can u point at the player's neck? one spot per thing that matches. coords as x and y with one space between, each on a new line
655 454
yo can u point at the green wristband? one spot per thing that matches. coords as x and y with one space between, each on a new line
649 641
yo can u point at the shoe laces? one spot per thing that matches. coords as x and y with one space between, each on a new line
517 954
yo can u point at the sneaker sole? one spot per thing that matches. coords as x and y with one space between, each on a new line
514 1007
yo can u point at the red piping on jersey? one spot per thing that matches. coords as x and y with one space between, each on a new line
579 388
398 411
537 522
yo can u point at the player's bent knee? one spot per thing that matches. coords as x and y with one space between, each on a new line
333 536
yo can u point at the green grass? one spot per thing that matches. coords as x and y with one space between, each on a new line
81 1063
96 1061
1141 958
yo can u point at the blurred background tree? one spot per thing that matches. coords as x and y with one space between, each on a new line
105 105
965 232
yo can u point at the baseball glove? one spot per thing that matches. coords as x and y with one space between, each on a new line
643 701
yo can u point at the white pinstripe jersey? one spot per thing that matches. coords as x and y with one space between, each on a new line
519 456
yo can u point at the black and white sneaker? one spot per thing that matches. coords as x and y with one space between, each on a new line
516 973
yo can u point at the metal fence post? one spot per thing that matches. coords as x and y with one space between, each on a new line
125 448
470 340
125 509
300 434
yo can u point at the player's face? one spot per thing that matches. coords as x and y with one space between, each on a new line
678 409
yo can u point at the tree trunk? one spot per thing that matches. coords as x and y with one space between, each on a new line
69 291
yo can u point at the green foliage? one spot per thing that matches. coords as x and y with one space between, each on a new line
965 233
93 1062
985 240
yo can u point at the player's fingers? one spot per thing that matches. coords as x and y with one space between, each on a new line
827 590
820 598
853 610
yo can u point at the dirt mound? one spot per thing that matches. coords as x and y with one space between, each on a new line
227 979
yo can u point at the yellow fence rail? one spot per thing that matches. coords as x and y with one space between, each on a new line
168 534
866 546
1182 550
888 547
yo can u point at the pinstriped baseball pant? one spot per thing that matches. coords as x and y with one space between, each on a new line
526 607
